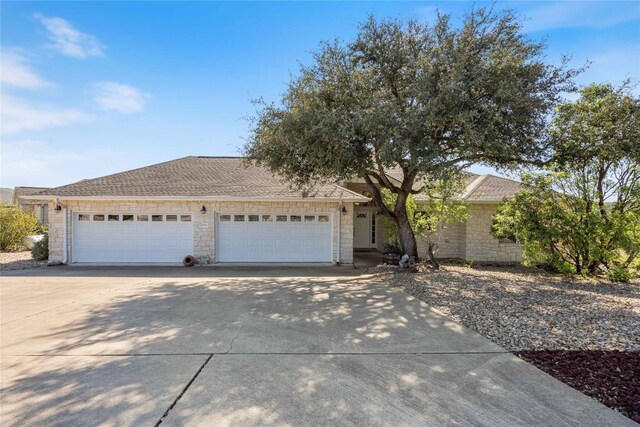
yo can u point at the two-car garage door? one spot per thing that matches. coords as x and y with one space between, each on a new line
273 238
167 238
130 238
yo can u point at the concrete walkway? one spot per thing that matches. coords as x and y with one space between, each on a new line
259 346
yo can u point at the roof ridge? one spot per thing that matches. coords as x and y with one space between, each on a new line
474 185
502 177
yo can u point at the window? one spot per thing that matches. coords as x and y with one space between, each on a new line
111 217
239 218
323 218
127 217
156 218
225 218
143 218
185 218
98 217
172 218
361 215
296 218
373 229
84 217
253 218
281 218
267 218
309 218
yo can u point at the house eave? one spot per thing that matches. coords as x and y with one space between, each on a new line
201 198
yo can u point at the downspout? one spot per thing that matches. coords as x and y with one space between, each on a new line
65 250
339 229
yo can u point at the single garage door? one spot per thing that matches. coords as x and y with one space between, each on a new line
273 238
123 238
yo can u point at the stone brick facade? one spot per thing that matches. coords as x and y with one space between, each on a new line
480 245
470 240
204 224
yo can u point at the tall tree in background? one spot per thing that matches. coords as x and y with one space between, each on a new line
415 101
585 211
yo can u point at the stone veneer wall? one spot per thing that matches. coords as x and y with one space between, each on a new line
480 243
452 242
471 240
204 224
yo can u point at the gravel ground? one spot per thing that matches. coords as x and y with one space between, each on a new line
584 332
528 309
18 261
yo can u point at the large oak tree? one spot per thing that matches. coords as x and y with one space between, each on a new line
407 101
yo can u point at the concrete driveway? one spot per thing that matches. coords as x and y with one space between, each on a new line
256 346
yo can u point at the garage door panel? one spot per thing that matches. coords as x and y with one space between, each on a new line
273 241
131 241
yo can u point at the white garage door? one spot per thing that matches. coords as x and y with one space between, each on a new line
273 238
123 238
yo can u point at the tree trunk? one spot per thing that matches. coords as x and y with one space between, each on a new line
432 258
405 232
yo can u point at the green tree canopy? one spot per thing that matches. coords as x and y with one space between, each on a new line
414 98
585 211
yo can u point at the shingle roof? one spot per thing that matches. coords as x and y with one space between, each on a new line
20 192
486 188
490 188
193 177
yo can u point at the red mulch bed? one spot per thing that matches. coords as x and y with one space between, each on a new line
611 377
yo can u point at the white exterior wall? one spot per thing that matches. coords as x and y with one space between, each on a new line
204 224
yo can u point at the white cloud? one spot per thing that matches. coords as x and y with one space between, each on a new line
15 71
574 14
37 163
68 41
18 115
120 97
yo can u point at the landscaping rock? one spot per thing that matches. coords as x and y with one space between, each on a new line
18 261
529 309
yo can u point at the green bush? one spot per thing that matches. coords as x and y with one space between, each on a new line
41 229
391 248
15 226
40 251
619 274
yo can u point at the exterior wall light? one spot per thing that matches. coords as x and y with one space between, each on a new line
344 210
203 210
58 208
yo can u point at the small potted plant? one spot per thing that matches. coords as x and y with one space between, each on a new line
391 253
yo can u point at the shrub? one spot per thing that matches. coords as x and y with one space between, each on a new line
15 226
41 229
391 248
40 251
619 274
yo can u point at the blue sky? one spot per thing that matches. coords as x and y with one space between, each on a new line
90 89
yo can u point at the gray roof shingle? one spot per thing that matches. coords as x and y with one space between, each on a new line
485 188
490 188
232 178
193 177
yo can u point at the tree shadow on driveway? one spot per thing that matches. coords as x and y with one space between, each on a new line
124 357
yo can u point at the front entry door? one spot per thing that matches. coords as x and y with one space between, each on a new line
362 230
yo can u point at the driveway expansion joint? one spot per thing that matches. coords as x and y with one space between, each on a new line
249 353
184 390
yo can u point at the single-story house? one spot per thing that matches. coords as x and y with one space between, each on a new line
37 207
232 211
